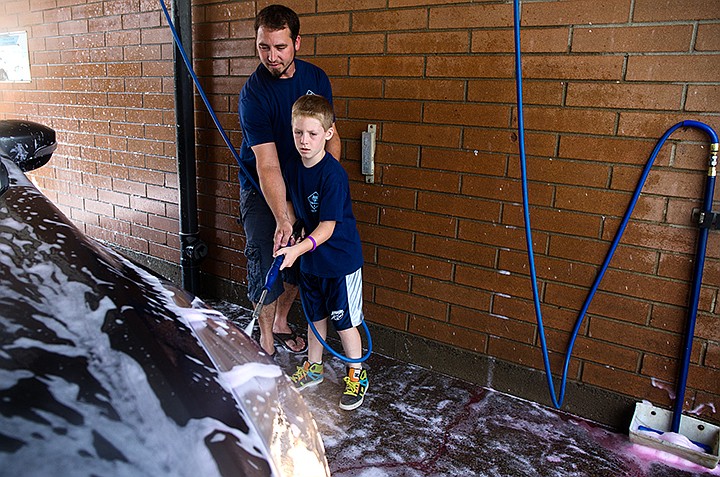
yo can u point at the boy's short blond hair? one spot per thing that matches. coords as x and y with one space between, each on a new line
314 106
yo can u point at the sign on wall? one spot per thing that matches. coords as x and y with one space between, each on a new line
14 57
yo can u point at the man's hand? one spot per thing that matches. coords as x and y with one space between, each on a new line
283 234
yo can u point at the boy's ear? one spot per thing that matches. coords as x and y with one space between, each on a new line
329 133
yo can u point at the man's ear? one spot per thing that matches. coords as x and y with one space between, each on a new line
297 43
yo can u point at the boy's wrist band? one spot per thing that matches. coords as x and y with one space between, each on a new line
313 242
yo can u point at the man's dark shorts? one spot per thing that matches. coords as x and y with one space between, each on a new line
259 224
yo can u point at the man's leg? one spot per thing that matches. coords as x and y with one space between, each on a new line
265 321
280 324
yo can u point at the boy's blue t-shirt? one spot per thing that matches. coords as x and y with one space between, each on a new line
322 193
265 109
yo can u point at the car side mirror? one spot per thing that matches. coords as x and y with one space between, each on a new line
28 144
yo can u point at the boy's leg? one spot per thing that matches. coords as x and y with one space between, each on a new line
311 371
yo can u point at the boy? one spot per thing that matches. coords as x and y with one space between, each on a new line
331 264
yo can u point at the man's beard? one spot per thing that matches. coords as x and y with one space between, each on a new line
277 73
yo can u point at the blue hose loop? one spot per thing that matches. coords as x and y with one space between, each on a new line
338 355
558 400
195 79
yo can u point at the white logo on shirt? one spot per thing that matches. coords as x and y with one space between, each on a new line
314 200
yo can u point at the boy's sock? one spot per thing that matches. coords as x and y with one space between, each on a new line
307 375
356 384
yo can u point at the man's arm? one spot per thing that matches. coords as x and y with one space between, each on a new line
334 145
272 185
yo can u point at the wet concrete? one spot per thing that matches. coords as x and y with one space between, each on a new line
417 422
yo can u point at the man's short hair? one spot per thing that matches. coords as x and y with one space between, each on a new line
277 17
314 106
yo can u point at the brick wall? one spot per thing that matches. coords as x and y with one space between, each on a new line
442 224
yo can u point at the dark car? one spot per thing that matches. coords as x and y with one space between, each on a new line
106 369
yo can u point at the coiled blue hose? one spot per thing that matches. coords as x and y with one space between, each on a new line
557 401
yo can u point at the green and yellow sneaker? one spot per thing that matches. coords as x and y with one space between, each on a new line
356 384
307 375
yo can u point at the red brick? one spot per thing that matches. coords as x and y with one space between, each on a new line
556 220
421 134
379 110
575 67
476 16
548 268
505 189
491 140
576 11
702 98
446 333
428 42
666 10
499 281
607 202
415 264
463 161
392 20
411 303
595 351
386 278
323 24
384 195
492 324
503 91
662 182
546 40
386 66
459 206
622 96
456 250
467 114
570 120
611 149
357 88
708 37
688 68
624 382
451 293
421 179
632 39
386 316
449 90
497 235
469 67
526 355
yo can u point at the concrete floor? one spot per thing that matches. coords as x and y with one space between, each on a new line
416 422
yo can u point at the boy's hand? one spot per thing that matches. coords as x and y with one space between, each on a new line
291 254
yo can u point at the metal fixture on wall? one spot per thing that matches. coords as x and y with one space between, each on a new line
368 153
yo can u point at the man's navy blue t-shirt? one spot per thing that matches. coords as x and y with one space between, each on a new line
265 109
322 193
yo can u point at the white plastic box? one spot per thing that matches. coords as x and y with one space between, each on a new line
648 417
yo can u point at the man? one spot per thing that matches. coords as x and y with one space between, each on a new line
265 110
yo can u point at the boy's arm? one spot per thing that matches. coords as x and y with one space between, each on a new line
320 235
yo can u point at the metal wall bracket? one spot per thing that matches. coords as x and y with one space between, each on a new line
368 153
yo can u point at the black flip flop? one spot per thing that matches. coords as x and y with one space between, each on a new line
282 338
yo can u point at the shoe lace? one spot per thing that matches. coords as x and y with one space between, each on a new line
299 374
351 387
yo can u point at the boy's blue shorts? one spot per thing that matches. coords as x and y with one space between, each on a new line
259 224
338 298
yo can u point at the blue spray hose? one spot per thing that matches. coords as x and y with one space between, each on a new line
557 401
270 278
